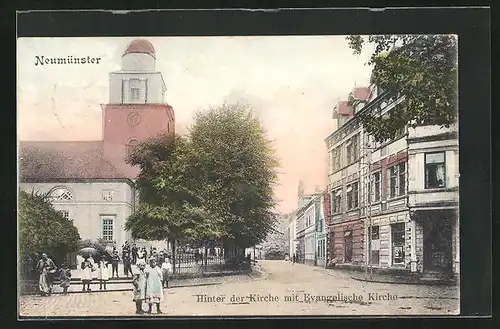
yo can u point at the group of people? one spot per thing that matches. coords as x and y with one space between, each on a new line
48 270
148 280
148 283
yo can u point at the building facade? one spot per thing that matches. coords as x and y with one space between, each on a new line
384 196
433 190
321 233
89 181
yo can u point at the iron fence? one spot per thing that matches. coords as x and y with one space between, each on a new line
188 263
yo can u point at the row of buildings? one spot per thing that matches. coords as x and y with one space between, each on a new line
387 206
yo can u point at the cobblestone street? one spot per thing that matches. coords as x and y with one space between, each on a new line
304 287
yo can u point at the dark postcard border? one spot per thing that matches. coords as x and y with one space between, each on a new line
472 26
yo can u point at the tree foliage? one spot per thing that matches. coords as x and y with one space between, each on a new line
423 69
238 165
44 229
168 204
215 183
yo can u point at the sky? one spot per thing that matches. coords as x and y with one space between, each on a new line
293 82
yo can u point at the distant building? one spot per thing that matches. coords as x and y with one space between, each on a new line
89 181
393 205
321 232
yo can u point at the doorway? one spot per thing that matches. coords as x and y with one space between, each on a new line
348 247
438 244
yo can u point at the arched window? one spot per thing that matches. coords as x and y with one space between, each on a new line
131 143
61 194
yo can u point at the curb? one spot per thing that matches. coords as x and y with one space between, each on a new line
412 282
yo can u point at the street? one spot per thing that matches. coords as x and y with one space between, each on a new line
283 289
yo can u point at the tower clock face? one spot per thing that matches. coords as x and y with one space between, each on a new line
134 119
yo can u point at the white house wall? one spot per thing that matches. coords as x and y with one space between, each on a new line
87 206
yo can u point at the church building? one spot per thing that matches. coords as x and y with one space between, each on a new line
89 181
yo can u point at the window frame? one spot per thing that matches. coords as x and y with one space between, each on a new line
400 245
353 199
105 229
336 202
59 197
133 91
374 188
371 232
397 180
401 193
131 143
426 183
65 214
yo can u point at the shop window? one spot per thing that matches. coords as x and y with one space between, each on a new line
435 170
398 241
348 246
373 232
353 195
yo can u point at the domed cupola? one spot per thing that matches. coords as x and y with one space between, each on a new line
140 55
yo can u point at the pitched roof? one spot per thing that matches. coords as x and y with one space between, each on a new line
45 161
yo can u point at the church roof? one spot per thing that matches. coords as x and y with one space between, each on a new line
140 46
46 161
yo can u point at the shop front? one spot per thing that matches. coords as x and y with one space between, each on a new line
438 241
346 243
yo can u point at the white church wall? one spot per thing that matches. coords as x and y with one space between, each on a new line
90 202
119 80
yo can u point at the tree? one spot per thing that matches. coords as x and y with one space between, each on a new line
44 229
168 205
423 70
237 167
215 183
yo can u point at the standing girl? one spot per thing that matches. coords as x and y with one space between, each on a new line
139 283
166 268
154 290
103 274
86 273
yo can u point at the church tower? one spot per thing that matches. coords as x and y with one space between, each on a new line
137 108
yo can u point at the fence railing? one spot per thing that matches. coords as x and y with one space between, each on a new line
187 263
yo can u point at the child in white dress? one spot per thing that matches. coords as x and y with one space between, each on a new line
103 273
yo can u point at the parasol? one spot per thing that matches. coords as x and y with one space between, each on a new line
89 251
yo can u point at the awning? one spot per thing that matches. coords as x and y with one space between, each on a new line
347 233
339 192
349 189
